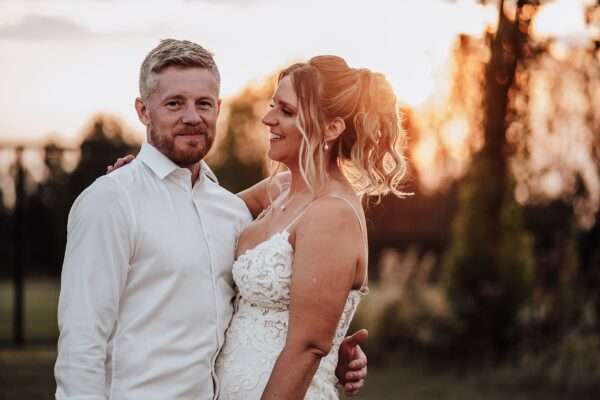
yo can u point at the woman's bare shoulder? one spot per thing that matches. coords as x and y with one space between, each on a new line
335 211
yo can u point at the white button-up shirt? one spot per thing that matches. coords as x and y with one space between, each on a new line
146 285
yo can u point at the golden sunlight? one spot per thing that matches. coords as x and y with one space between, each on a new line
412 43
428 89
563 18
422 69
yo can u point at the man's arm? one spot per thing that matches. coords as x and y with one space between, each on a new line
99 246
351 370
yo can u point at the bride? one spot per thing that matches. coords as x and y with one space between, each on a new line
301 266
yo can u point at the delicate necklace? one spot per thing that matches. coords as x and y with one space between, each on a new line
285 203
283 206
270 208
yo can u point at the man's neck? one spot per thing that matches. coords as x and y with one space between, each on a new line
195 170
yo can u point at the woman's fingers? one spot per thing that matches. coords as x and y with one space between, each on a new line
120 162
352 389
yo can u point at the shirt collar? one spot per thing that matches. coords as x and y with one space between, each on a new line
162 166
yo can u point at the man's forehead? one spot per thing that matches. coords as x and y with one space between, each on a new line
190 81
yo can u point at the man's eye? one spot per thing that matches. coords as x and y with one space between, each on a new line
172 104
205 105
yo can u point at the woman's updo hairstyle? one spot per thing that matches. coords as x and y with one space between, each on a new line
369 151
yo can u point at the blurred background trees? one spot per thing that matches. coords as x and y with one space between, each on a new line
496 257
490 262
53 178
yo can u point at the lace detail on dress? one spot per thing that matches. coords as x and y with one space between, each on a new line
259 325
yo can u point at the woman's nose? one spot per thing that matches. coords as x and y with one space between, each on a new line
269 119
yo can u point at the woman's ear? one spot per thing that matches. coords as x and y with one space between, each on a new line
334 129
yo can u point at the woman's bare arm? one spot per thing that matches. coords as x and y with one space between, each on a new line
325 265
256 196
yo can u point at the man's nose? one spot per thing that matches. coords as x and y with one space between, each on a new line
191 116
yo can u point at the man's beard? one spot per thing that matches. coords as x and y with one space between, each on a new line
190 155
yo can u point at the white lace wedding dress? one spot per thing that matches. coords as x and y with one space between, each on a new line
259 325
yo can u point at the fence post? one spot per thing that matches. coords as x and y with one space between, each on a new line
19 243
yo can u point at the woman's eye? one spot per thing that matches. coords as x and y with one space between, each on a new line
285 111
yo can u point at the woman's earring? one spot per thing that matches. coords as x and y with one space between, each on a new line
326 146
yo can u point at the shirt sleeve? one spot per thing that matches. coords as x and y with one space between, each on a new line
97 260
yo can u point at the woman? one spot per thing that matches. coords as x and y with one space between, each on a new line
337 131
325 119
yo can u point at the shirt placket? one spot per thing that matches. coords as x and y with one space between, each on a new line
206 237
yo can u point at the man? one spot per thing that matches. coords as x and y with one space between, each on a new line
146 284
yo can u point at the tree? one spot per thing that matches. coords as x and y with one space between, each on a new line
239 156
490 262
48 204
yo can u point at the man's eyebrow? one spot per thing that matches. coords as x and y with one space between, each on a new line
176 96
172 97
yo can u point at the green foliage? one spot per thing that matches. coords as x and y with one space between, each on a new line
234 173
239 157
47 203
490 266
406 311
103 143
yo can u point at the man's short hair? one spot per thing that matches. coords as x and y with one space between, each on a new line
171 52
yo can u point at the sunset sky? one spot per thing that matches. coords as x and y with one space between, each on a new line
63 61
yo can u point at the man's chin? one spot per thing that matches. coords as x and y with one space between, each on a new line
188 156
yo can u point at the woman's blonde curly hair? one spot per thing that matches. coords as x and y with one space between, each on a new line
370 150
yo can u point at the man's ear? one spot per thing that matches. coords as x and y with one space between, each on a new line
142 111
334 129
218 107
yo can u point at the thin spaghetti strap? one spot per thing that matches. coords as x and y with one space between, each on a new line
363 288
298 215
363 231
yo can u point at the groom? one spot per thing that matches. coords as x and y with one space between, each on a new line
146 285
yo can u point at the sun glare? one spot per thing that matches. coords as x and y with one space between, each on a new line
411 42
421 70
561 18
454 134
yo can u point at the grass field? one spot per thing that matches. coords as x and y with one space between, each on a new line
41 299
27 374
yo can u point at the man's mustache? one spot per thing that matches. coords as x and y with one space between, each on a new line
191 131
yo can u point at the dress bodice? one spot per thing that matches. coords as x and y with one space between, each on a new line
259 326
263 273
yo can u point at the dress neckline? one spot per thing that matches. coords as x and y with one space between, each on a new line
281 233
284 235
